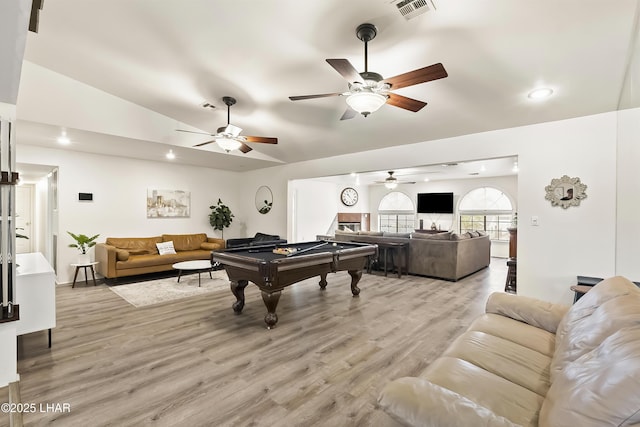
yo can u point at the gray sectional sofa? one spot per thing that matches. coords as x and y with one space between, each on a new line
446 255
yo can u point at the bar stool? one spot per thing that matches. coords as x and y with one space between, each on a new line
510 285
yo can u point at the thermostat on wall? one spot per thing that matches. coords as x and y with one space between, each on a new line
85 197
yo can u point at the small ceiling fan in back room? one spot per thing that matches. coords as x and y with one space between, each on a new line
368 90
392 182
228 137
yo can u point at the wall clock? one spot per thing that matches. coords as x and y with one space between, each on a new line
349 196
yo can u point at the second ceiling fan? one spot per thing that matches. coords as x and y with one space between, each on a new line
228 137
368 91
392 182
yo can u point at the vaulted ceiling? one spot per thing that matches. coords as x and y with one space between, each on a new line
171 56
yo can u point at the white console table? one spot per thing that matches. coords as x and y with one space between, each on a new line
35 294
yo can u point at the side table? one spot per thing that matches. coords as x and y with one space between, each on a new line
85 266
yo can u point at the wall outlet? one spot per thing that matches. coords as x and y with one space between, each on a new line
534 220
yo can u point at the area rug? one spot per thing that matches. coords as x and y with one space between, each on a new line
152 292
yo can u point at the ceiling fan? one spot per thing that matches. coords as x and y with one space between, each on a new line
368 91
228 137
392 182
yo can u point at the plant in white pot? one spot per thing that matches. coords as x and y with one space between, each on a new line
83 243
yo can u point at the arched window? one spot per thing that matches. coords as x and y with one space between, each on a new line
486 209
396 213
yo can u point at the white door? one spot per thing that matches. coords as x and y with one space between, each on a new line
24 218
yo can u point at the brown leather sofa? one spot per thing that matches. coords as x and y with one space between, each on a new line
446 255
128 256
527 362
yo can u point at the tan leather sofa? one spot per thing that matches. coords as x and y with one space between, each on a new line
446 255
127 256
527 362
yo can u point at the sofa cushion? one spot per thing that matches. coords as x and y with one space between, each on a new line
122 254
166 248
463 236
419 402
600 388
370 233
185 242
487 390
610 305
402 235
445 235
262 238
521 333
135 245
504 358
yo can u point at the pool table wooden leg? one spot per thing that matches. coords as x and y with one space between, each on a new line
271 302
355 278
237 288
323 281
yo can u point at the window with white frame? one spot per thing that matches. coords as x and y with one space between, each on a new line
396 213
486 209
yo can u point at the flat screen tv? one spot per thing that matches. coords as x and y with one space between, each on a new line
435 203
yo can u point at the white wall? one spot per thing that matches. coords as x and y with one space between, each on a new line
119 186
576 241
314 208
628 202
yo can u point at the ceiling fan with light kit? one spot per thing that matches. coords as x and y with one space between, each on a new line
368 90
392 182
228 137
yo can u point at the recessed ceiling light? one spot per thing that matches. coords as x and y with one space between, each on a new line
63 139
170 155
540 93
426 180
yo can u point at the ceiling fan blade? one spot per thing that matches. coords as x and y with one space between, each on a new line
349 113
263 139
323 95
346 70
191 131
245 148
404 102
421 75
205 143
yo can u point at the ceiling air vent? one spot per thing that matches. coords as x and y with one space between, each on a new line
409 9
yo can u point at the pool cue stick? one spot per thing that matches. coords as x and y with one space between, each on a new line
308 249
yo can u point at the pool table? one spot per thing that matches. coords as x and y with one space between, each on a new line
273 272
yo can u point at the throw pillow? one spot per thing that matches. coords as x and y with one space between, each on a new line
261 237
165 248
402 235
138 252
122 254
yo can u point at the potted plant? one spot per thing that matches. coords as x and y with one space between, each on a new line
83 243
220 216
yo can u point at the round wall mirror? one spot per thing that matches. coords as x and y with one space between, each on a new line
264 199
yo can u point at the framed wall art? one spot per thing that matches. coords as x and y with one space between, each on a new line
168 203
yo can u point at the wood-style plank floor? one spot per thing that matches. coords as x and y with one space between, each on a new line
193 362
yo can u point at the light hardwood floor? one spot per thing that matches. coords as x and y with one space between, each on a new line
194 362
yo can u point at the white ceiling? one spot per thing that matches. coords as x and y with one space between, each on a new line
170 56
